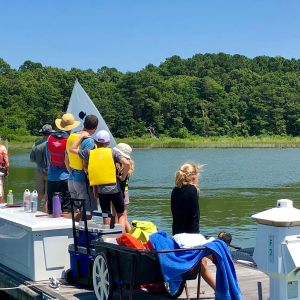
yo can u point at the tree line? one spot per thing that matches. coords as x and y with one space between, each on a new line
205 95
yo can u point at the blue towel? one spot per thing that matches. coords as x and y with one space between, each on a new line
174 264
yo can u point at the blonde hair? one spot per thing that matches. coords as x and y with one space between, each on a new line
131 168
186 174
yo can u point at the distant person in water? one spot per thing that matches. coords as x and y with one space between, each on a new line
185 208
38 155
58 174
4 165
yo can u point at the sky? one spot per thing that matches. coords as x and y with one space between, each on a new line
130 34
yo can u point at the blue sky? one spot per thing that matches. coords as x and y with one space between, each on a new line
129 34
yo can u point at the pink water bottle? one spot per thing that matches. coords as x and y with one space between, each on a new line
56 205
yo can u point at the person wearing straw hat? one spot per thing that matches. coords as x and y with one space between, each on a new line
57 173
4 165
38 156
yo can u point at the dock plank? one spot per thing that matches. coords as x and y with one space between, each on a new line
247 278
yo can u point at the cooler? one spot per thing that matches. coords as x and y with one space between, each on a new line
36 247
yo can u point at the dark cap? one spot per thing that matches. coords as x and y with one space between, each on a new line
46 129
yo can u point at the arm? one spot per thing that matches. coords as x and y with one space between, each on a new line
67 163
84 155
125 168
32 154
75 146
194 201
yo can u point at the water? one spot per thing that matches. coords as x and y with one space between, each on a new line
235 184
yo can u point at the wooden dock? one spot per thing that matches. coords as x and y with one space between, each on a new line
26 290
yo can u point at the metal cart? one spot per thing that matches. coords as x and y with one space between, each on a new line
106 266
123 267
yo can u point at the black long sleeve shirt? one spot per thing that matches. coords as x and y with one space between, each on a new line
185 209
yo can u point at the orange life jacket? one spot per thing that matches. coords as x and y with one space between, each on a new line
56 149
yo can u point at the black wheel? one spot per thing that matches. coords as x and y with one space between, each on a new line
102 278
179 291
69 276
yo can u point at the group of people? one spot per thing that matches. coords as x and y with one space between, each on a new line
84 167
80 166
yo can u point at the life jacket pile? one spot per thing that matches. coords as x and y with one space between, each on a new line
141 230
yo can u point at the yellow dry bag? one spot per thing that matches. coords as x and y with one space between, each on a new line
142 229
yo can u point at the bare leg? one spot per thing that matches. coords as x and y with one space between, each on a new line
206 274
121 220
127 224
115 214
40 198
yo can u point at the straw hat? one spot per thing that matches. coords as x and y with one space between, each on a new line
67 122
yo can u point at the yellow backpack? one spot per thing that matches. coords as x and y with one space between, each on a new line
142 229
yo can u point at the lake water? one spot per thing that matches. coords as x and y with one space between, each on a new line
235 184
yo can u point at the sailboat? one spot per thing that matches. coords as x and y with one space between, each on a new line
81 105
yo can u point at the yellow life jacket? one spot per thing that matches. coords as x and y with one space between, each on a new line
101 167
75 161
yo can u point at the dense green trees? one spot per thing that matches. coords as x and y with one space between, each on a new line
205 95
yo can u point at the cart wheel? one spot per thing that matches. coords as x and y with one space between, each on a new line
179 291
69 276
102 278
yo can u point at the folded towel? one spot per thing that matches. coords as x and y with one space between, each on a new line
175 264
189 240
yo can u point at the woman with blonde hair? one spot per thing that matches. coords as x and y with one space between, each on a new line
4 165
185 208
184 199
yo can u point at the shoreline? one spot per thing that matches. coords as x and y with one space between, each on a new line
189 142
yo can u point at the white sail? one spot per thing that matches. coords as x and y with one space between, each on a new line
80 105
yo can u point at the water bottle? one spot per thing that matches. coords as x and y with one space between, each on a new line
56 205
34 201
26 200
10 197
